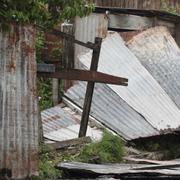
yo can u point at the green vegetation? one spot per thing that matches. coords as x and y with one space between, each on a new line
45 13
109 150
44 87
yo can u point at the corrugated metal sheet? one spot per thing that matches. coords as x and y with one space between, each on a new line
87 28
140 4
61 123
143 93
108 108
158 52
18 110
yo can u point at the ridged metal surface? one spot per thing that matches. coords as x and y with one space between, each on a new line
108 108
61 123
158 52
140 4
87 28
18 110
143 93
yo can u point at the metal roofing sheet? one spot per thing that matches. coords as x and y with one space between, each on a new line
159 54
89 27
61 123
141 12
18 103
108 108
143 93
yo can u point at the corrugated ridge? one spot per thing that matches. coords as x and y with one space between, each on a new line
18 111
159 54
110 109
143 93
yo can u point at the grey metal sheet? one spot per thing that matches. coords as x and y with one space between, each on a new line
111 110
87 28
159 54
130 22
143 93
18 102
61 124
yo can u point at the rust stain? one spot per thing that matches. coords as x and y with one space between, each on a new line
127 36
11 66
26 48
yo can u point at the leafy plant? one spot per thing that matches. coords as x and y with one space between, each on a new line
45 13
109 149
44 87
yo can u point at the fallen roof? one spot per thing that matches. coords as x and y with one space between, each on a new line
111 110
143 95
148 13
61 123
159 54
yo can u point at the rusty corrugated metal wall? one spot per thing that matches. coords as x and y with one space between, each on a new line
141 4
18 110
86 29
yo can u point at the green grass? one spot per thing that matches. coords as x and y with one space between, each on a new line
109 150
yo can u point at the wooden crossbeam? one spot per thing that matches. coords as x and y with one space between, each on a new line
84 75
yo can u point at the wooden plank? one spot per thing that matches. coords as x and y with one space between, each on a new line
148 161
68 143
90 89
120 169
83 75
68 53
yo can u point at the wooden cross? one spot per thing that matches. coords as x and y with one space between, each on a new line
91 76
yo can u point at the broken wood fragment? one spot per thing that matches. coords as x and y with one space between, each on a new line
69 143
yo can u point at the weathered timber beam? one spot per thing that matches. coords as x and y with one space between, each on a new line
68 143
84 75
72 38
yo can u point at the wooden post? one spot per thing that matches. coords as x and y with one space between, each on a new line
68 53
90 89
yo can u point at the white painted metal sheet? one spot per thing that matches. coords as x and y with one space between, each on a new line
143 93
159 54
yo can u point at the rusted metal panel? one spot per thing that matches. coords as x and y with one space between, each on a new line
87 28
159 54
141 4
84 75
143 92
61 123
111 110
18 110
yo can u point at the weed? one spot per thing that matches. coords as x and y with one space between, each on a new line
109 150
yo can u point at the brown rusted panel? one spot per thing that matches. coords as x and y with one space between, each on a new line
84 75
129 35
141 4
18 110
